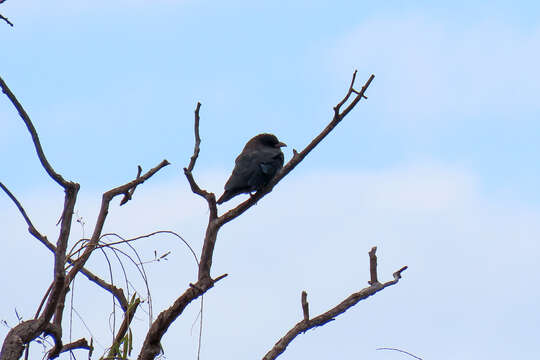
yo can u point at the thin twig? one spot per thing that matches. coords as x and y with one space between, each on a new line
129 194
6 20
197 148
149 235
31 228
401 351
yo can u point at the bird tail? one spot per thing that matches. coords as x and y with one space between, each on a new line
227 195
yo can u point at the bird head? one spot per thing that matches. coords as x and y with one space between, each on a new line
266 140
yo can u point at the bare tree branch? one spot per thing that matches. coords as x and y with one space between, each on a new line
208 196
104 210
305 306
128 194
55 331
54 300
25 332
151 346
196 148
373 266
117 292
2 17
306 324
94 240
20 335
31 228
78 344
128 317
41 155
55 304
71 189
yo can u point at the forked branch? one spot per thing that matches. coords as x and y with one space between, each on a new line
307 324
26 331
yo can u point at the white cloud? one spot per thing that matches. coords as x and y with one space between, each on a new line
472 260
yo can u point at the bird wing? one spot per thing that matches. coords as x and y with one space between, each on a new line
246 167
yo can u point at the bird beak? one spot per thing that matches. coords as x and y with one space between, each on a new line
280 144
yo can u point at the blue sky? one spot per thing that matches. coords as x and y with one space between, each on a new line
439 167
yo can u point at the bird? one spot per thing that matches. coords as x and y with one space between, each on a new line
256 165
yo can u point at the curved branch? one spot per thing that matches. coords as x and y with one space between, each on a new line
41 155
31 228
401 351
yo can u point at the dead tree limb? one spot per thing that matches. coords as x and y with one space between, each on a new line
37 144
27 331
71 189
117 292
151 346
94 240
306 324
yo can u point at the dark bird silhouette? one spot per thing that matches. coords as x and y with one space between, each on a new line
256 165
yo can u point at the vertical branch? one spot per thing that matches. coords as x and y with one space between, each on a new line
196 148
213 226
305 306
373 266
